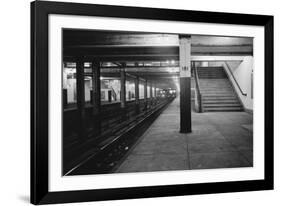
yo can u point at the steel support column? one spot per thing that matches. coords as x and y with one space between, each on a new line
185 83
145 94
96 101
151 96
80 86
123 91
137 101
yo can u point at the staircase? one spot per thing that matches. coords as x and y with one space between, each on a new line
216 89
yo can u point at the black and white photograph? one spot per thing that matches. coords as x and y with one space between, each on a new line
147 102
131 102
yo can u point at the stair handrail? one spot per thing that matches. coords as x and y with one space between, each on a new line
230 71
197 87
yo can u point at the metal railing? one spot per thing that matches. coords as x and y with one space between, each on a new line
230 71
198 95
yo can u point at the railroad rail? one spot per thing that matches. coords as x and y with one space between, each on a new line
105 153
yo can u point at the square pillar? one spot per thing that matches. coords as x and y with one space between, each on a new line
185 83
123 92
96 102
151 95
137 101
96 87
80 86
123 87
145 94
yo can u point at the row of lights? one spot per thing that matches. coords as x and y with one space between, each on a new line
171 62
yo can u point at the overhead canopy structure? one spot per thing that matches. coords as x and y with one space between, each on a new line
135 46
148 55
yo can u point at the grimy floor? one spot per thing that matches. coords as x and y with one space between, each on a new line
218 140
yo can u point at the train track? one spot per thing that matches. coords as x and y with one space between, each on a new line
109 154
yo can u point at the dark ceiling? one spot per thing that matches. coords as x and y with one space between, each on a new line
140 48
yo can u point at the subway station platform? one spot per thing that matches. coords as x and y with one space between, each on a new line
121 113
218 140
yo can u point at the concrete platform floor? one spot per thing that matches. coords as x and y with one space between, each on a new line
218 140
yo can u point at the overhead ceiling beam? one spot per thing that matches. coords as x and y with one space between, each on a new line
117 38
156 51
193 58
143 70
99 38
144 75
122 58
217 58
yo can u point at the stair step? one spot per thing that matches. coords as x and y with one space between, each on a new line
217 92
210 69
219 84
221 101
210 88
229 109
211 77
215 88
215 71
221 105
212 92
211 73
222 80
214 83
219 95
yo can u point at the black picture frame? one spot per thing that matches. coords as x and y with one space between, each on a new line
39 102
